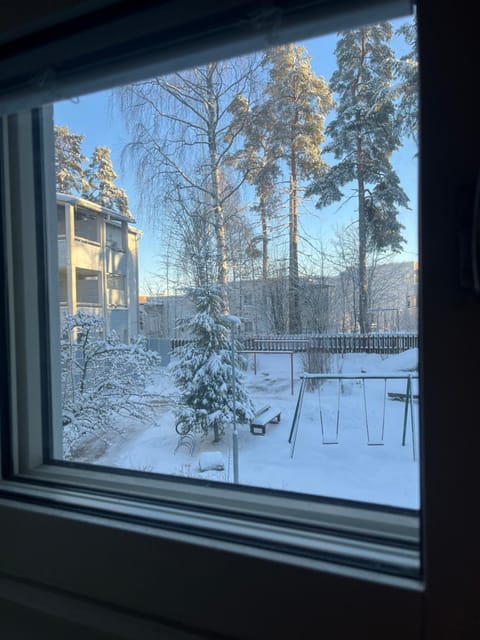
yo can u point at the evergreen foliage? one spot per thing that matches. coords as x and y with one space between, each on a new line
96 182
362 137
294 111
102 378
203 372
100 184
68 161
408 90
259 159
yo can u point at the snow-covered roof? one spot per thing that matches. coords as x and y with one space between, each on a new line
93 206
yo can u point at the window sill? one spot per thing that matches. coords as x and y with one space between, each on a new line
196 570
340 537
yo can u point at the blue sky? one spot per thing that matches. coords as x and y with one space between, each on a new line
94 116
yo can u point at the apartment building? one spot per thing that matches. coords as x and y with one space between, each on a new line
98 264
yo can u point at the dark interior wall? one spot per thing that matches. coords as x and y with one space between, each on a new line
21 623
36 15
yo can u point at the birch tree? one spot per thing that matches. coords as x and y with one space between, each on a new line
363 136
177 126
102 379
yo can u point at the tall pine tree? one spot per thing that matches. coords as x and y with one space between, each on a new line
408 90
363 136
258 158
297 102
69 161
203 373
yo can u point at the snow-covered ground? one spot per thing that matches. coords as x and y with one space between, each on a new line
383 472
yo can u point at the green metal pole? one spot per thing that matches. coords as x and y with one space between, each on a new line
235 433
405 415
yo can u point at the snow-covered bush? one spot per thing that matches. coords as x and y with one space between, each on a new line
203 370
102 379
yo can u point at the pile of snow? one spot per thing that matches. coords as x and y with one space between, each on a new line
211 461
374 363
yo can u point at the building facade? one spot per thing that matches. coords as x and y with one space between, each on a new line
328 304
98 264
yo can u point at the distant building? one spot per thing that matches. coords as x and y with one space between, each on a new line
392 296
328 304
98 264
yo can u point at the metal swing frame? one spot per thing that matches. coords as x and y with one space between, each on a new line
408 399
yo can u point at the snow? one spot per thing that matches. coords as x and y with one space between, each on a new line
235 320
209 460
384 472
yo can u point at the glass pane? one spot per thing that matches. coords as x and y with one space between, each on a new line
239 299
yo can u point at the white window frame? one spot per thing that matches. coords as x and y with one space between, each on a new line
92 548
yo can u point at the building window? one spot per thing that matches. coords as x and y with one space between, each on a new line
62 286
116 289
411 301
88 284
247 326
86 225
114 236
61 227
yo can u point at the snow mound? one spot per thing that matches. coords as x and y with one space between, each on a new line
405 361
211 460
374 363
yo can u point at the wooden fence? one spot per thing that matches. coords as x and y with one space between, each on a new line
329 343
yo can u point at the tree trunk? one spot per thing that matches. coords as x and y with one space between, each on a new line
218 213
294 324
362 227
263 218
362 246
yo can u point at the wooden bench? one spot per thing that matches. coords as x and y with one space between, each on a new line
266 415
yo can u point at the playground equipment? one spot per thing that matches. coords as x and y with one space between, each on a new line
406 397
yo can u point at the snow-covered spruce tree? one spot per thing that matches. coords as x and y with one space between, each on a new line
100 184
102 379
69 161
203 371
366 131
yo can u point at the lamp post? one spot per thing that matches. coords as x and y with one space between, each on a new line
234 321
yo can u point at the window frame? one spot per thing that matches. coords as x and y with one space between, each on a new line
264 581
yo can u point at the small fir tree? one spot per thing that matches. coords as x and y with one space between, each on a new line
69 161
100 182
203 373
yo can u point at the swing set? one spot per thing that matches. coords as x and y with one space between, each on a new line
406 397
